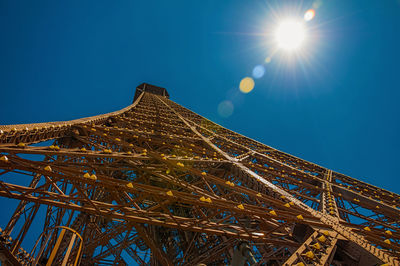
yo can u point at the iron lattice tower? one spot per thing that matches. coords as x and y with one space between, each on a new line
158 184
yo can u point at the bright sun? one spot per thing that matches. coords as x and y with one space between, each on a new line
290 35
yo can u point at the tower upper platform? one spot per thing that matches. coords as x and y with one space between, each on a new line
151 89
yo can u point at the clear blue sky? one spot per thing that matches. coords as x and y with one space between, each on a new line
336 106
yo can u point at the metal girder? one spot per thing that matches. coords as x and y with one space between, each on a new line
160 254
318 249
139 216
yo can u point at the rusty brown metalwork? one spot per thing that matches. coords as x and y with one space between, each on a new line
157 184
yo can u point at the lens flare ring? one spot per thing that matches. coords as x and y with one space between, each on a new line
309 15
258 71
225 109
246 85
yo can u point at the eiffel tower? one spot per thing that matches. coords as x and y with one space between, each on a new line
157 184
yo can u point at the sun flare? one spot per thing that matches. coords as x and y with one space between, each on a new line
290 35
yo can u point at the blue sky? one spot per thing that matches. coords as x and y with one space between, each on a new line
335 105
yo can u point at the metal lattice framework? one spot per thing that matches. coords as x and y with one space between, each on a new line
158 184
